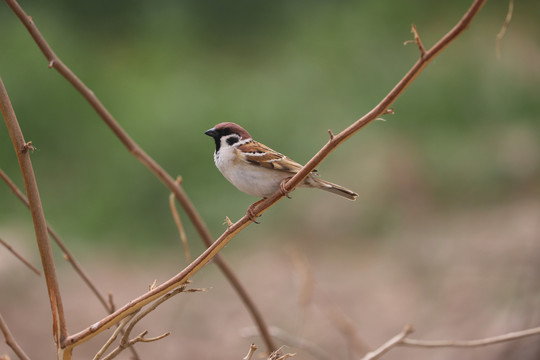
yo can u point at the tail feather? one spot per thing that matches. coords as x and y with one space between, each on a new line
335 189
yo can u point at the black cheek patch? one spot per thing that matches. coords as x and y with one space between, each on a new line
232 140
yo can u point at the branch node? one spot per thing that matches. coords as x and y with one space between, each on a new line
228 222
28 146
416 41
331 134
252 349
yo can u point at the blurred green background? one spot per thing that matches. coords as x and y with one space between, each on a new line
466 133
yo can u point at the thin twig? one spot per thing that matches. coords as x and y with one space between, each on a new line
294 341
233 230
113 337
125 342
178 223
504 27
418 41
263 206
402 339
389 344
252 349
67 254
40 225
151 164
138 338
471 343
10 340
20 257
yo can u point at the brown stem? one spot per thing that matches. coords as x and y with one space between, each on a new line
10 340
67 254
107 304
40 226
234 229
20 257
150 163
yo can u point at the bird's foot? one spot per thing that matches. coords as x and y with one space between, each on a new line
282 189
251 213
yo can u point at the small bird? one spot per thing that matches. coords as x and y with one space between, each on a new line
258 170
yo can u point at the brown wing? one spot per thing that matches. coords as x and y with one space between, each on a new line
261 155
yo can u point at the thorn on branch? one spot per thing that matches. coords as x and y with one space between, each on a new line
112 307
331 134
51 63
389 111
417 41
28 146
228 222
252 349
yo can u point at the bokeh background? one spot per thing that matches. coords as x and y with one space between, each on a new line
444 234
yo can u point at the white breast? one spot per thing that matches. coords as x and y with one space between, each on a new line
251 179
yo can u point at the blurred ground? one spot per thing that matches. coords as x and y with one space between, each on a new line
463 275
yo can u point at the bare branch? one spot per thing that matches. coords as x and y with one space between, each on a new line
276 355
472 343
418 41
178 222
132 320
294 341
20 257
504 27
113 337
40 225
153 166
10 340
402 339
257 210
396 340
252 349
138 338
67 254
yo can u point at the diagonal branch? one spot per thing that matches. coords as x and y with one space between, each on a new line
234 229
402 339
107 304
151 164
38 217
67 254
20 257
471 343
10 340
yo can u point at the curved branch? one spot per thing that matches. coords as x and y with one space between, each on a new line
10 340
235 228
402 339
67 254
151 164
471 343
20 257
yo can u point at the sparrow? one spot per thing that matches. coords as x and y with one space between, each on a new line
258 170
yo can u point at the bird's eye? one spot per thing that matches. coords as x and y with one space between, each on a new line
232 140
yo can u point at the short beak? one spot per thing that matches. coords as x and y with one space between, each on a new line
211 132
